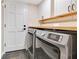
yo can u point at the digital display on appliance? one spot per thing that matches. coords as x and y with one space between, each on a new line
53 37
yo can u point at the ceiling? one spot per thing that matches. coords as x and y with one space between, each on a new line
36 2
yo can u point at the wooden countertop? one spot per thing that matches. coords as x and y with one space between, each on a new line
69 17
58 28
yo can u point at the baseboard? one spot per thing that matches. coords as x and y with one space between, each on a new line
14 48
2 54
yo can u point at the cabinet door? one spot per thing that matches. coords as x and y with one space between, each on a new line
61 7
74 5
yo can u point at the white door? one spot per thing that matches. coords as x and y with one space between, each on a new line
14 23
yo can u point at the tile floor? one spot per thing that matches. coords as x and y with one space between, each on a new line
16 55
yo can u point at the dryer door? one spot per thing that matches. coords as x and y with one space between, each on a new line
46 50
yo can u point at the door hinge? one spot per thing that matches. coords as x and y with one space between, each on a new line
2 1
5 6
5 44
4 25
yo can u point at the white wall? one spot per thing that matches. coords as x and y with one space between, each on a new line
32 15
52 7
44 9
2 32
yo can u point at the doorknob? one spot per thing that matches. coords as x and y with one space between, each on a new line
24 29
24 25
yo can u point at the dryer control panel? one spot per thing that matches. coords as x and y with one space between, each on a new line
53 37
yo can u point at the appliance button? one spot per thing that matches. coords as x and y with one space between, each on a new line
60 38
43 34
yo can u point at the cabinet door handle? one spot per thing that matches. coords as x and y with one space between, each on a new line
69 8
73 6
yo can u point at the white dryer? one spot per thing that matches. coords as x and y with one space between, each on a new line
53 45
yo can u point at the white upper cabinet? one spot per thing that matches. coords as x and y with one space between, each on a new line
44 9
64 6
